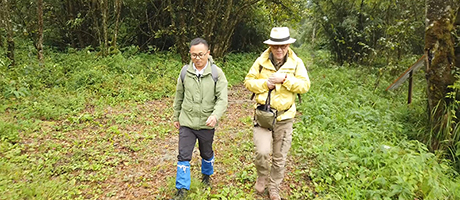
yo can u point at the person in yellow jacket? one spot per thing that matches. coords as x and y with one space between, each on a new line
279 70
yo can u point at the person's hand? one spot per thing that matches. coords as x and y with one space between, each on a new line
277 78
270 85
212 121
176 124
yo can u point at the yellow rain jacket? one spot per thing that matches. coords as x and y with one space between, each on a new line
283 96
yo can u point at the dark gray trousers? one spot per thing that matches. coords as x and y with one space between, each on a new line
187 140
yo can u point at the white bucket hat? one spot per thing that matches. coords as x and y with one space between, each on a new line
280 36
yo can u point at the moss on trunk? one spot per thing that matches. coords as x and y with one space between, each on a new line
441 63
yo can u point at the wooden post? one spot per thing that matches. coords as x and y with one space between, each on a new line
409 98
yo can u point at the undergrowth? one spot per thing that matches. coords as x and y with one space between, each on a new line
357 135
353 140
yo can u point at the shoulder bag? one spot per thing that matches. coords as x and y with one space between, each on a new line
264 115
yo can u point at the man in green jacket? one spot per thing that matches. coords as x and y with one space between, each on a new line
280 71
200 101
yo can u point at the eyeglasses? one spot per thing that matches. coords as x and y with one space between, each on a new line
198 56
275 47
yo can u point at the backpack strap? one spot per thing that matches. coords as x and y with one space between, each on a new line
214 73
254 94
183 72
300 98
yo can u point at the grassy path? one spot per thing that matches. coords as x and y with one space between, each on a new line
129 151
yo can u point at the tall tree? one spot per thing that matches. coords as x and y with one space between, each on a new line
179 27
105 42
40 31
117 11
365 31
441 70
153 25
214 20
9 31
2 24
74 22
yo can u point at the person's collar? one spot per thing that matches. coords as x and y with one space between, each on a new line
276 64
200 72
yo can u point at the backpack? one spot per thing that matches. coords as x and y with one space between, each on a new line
214 73
254 94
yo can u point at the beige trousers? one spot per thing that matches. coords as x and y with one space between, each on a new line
278 143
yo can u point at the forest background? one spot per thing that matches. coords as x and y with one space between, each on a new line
86 87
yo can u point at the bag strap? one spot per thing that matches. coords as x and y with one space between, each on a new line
267 101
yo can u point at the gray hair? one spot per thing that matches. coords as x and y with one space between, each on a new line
198 41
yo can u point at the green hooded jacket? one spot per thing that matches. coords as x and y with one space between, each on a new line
197 98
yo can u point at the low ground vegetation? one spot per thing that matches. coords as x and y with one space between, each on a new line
89 127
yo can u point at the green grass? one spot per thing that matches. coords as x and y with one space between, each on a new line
356 136
353 140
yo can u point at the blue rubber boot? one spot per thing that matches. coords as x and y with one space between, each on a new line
183 175
207 169
207 166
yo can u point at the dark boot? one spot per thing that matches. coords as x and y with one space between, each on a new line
181 194
206 180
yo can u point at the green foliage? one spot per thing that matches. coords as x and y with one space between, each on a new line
9 132
84 117
236 66
23 176
447 139
38 185
367 32
68 82
154 25
355 136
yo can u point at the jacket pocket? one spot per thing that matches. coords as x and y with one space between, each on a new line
207 111
186 106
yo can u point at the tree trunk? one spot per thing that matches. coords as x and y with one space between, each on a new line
117 8
2 23
9 33
104 9
214 20
178 15
232 13
457 61
457 41
79 30
441 69
222 40
70 16
183 42
313 34
40 31
95 12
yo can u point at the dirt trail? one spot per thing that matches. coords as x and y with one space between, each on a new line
149 173
139 145
152 171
